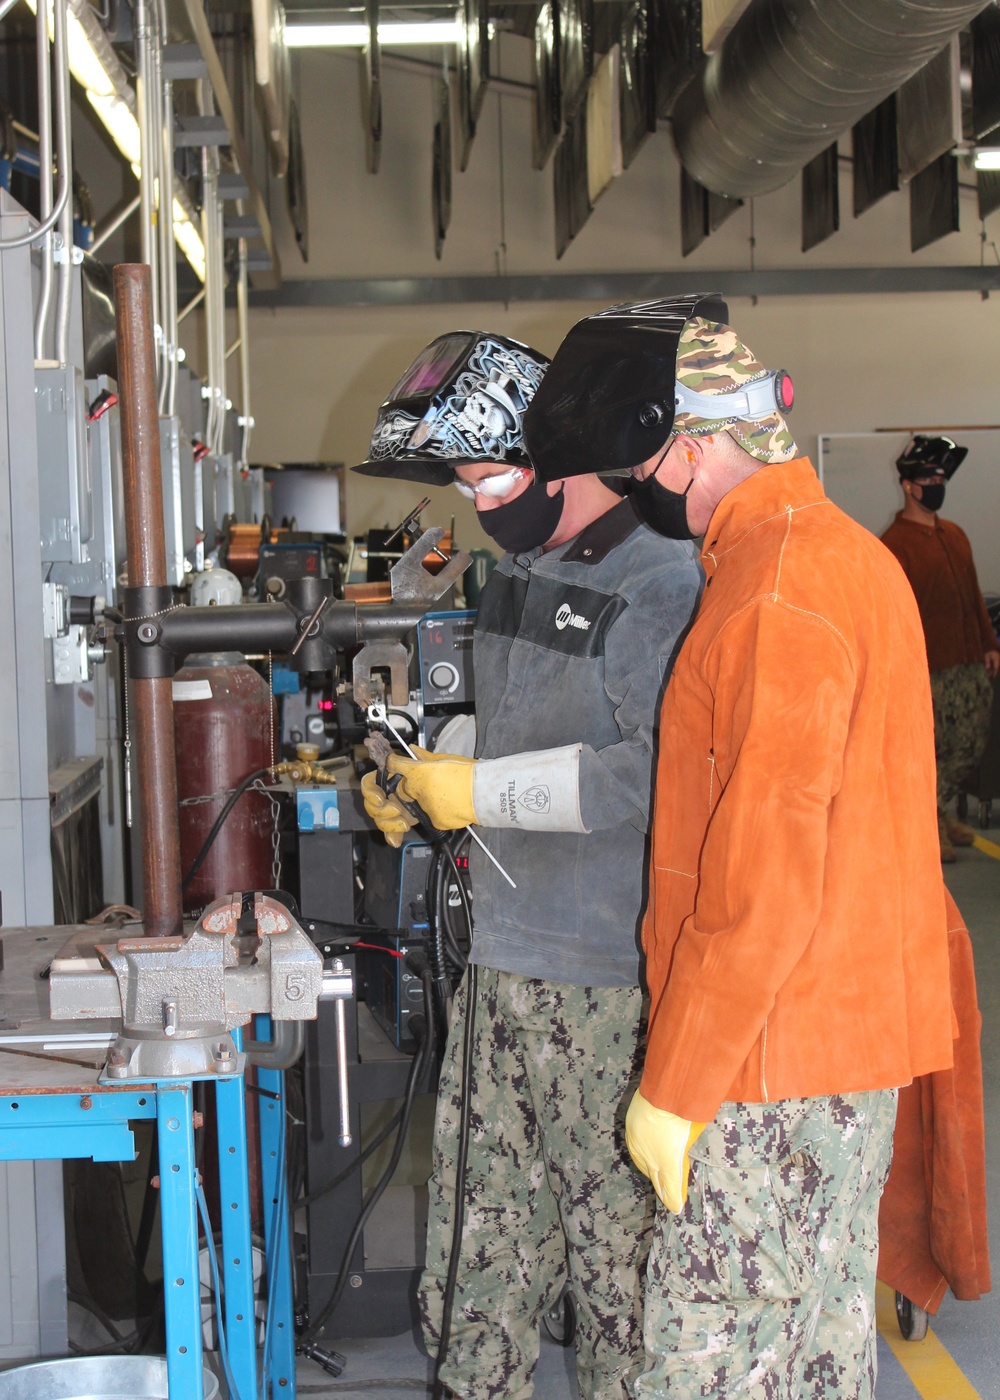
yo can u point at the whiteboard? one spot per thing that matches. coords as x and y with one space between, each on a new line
858 472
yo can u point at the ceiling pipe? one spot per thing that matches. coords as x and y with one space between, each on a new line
794 75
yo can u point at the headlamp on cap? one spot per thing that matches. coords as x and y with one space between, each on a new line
773 393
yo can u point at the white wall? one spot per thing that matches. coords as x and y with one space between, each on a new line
318 375
859 363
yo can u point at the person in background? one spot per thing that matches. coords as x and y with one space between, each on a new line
962 650
574 638
796 930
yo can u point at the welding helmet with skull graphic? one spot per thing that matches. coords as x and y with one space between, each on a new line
463 399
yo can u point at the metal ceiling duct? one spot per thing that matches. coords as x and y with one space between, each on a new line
794 75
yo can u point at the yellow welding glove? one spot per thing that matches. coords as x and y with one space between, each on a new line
658 1143
440 784
389 815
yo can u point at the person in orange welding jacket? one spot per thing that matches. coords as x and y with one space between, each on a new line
795 932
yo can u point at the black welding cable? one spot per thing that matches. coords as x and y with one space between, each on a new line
348 1171
433 901
461 1170
463 895
217 825
417 1069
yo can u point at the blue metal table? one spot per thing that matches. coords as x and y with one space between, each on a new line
53 1107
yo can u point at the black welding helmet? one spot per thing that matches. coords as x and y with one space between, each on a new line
463 399
925 455
607 402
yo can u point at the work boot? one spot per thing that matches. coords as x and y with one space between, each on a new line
948 856
959 833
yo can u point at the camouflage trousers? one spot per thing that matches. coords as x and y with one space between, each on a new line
764 1285
963 698
551 1197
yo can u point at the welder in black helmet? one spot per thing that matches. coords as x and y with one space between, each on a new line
573 643
962 650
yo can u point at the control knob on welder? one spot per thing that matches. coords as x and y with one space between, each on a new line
444 676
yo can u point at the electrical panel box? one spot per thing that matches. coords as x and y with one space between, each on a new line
177 463
217 473
104 439
64 486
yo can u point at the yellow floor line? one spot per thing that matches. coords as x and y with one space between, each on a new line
990 848
929 1366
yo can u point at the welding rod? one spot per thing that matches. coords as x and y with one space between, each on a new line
478 840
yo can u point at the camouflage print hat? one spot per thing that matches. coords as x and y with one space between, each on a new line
711 359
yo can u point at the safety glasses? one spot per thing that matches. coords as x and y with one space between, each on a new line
493 487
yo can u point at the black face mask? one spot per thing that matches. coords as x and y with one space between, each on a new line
526 522
663 510
932 497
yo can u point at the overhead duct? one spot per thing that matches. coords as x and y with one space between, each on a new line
794 75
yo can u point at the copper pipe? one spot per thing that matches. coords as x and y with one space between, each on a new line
152 701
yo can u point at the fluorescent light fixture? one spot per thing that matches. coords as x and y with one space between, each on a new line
84 63
355 36
988 158
120 124
188 239
105 96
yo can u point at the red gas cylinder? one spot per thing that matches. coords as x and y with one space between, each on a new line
223 722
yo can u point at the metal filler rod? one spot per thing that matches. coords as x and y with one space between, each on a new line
152 699
378 714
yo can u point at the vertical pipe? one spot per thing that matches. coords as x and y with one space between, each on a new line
209 193
220 296
147 569
243 331
147 166
64 293
170 324
44 171
165 228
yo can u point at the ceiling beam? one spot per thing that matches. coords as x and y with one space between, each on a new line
626 286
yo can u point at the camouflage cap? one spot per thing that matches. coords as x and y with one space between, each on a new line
711 359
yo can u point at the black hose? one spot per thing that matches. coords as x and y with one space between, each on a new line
217 825
461 1169
420 1062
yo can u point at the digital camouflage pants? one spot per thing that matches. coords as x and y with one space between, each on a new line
763 1287
551 1196
963 697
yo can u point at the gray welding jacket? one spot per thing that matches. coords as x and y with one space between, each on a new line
575 646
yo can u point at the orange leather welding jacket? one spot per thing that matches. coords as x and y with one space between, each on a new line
795 935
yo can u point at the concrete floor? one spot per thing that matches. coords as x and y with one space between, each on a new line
396 1369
